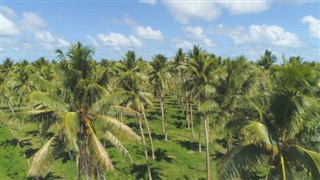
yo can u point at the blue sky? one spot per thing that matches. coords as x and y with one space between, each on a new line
34 28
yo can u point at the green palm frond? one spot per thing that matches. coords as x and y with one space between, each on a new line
98 152
241 159
114 140
258 132
124 111
307 159
105 102
41 160
70 128
49 100
112 124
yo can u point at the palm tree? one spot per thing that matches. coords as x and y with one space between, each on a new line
159 77
284 141
77 119
267 60
200 68
6 68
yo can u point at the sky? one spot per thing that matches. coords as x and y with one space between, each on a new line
31 29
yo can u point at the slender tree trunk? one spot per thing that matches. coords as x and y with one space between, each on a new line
145 150
162 113
199 133
191 119
206 128
78 166
86 160
187 111
149 133
8 104
165 120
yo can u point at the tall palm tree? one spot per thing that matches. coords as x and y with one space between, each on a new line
77 119
159 76
6 74
285 138
200 68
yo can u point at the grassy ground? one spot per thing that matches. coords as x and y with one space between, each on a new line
177 158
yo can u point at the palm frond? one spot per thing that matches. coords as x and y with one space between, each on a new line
308 159
114 140
69 128
241 159
98 152
258 132
41 160
48 100
112 124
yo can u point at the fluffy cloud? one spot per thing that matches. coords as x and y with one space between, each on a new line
244 6
44 36
32 21
198 34
151 2
118 40
259 35
63 43
148 33
93 41
184 44
8 28
314 25
184 11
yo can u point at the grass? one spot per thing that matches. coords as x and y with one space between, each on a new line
177 158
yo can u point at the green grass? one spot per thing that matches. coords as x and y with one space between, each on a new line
177 158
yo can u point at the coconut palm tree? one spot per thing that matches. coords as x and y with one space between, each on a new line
200 68
159 76
76 119
284 140
6 69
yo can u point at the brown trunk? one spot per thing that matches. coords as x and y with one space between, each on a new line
150 137
187 111
162 113
199 134
191 118
145 150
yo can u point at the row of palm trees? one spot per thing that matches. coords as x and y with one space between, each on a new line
269 113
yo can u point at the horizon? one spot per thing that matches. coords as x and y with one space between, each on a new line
34 29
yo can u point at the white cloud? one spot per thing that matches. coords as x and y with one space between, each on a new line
93 41
314 25
44 36
198 34
7 12
32 21
244 6
129 21
8 28
184 44
63 43
184 11
151 2
148 33
118 40
259 35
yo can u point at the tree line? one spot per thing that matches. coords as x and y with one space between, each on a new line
268 114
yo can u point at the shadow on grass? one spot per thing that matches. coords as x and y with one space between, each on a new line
15 142
178 124
162 155
30 152
157 136
49 176
193 146
141 172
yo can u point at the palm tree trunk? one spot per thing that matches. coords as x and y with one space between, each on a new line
199 135
206 130
284 177
162 113
9 105
145 150
187 111
165 121
149 133
191 118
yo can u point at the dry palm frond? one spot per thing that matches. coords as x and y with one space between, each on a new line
41 160
98 152
109 123
113 140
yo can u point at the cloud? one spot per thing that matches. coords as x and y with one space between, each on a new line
44 36
7 12
314 25
148 33
32 21
184 11
244 6
118 40
259 35
63 43
93 41
193 9
198 34
129 21
151 2
184 44
8 28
